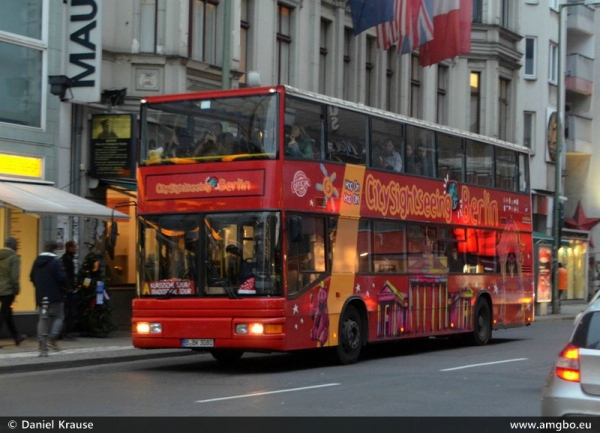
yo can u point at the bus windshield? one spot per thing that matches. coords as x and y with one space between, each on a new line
224 129
231 254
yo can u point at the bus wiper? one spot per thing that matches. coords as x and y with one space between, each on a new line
168 293
229 290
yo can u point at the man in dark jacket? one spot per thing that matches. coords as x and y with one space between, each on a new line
10 268
50 280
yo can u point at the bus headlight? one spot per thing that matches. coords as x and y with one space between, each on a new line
241 328
258 328
148 328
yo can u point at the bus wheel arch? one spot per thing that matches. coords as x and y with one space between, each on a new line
482 321
353 332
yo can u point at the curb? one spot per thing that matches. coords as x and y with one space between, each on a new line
45 364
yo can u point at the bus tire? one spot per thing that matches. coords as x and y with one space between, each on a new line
351 336
482 323
227 356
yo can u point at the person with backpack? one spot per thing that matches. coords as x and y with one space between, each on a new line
50 280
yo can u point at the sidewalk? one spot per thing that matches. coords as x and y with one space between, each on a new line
118 348
80 352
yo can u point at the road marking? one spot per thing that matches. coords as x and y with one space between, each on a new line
254 394
484 363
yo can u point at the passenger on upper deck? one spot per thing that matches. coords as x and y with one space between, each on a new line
424 164
389 158
298 144
410 159
211 142
182 144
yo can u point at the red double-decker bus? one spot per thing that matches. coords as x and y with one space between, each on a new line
275 219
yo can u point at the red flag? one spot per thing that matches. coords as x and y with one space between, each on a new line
451 34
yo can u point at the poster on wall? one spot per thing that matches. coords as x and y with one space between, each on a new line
112 146
544 286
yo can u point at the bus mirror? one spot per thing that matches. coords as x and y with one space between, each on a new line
294 229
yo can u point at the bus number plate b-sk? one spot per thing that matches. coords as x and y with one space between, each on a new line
195 342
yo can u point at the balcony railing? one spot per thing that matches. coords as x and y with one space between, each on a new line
578 136
580 19
579 74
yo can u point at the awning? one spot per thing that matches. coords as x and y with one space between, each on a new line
45 199
127 185
539 237
542 237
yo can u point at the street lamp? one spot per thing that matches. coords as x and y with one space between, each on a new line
559 153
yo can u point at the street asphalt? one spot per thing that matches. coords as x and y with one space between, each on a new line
117 347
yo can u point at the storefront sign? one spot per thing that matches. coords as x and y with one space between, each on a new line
84 49
112 147
24 166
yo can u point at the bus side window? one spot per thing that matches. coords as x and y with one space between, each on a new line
346 134
306 258
308 117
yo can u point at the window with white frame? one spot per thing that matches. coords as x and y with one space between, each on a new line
22 48
503 109
553 64
415 88
348 46
284 43
390 78
323 58
442 91
147 26
505 13
203 34
528 129
475 106
530 57
370 80
244 31
477 11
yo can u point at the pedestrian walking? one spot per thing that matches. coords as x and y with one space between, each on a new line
50 280
563 281
68 259
10 270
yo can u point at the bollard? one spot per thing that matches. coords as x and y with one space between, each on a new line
43 327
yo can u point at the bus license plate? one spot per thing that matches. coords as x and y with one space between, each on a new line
195 342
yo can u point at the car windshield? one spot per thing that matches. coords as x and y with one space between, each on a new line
226 254
587 333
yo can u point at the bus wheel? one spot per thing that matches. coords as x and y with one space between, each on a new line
482 319
350 341
227 356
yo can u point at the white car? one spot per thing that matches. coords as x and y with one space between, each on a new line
594 299
573 386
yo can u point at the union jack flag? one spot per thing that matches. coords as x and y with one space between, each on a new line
412 26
